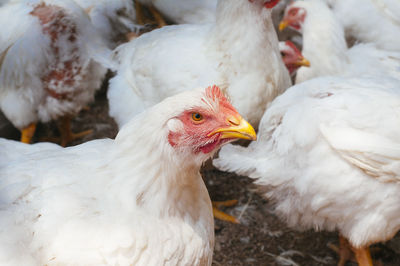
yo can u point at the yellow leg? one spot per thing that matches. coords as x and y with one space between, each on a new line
220 214
141 18
139 13
158 17
66 134
347 252
27 133
363 256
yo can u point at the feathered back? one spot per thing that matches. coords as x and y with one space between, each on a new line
49 55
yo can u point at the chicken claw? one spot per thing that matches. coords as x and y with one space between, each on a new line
67 135
347 252
222 215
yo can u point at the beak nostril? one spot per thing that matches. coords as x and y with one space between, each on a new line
233 121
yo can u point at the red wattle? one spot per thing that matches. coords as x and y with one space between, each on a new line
271 3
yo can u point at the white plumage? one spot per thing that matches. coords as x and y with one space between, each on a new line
239 52
2 2
135 200
112 19
328 155
375 21
185 11
46 60
324 45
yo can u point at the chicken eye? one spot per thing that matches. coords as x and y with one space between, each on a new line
197 117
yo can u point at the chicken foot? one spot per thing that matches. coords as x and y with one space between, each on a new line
347 252
67 135
158 17
222 215
27 133
363 256
140 17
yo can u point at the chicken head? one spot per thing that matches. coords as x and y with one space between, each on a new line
292 57
293 18
205 127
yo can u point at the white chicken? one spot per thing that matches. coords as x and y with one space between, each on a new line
113 19
193 11
292 57
239 52
324 45
135 200
2 2
375 21
328 156
47 67
181 11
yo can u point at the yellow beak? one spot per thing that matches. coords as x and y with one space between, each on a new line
240 129
283 25
302 62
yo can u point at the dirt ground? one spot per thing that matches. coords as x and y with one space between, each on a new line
261 238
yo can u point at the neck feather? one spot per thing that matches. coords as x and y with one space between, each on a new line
153 176
248 47
324 43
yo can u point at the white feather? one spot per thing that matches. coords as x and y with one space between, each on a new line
27 57
328 155
111 18
324 45
381 26
185 11
134 200
239 53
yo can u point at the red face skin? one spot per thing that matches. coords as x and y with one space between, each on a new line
196 131
291 55
268 3
295 17
271 3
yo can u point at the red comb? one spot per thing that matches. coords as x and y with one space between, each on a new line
271 3
215 93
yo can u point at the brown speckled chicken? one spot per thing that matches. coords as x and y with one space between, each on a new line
47 66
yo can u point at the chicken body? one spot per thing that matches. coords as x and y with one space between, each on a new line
328 156
381 26
239 52
138 199
47 66
185 11
324 45
113 19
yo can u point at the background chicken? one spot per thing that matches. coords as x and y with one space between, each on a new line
324 44
240 52
328 156
178 11
292 57
113 19
138 199
47 63
372 21
261 238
